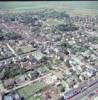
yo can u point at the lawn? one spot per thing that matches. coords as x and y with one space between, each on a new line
54 22
25 49
28 91
34 98
1 85
96 62
17 76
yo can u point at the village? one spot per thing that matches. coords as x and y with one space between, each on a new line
47 55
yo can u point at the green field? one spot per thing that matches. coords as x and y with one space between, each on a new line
71 7
54 22
28 91
35 98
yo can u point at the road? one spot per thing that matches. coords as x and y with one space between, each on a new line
80 95
90 86
11 58
89 89
26 83
84 93
30 82
13 51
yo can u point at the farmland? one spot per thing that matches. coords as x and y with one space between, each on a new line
79 7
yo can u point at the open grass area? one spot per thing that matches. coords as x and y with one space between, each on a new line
1 85
24 49
96 62
54 22
28 91
18 76
34 98
71 7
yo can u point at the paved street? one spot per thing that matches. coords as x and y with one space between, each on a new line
82 94
13 51
27 83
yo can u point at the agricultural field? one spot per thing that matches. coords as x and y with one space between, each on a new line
74 8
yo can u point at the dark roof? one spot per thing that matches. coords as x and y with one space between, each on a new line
34 74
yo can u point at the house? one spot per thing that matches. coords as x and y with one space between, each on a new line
37 55
21 79
83 77
96 68
91 72
9 83
69 72
34 61
51 79
42 70
69 94
12 96
71 82
33 75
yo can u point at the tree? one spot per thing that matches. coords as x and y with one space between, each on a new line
19 51
11 36
1 35
2 74
64 45
62 89
66 52
67 63
68 27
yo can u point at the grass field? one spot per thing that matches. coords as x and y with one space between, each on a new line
1 85
28 91
71 7
35 98
54 22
